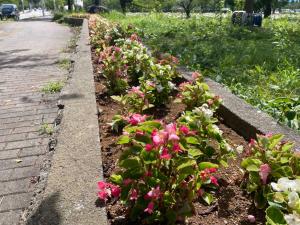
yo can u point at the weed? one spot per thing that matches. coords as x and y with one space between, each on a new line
53 87
65 64
46 129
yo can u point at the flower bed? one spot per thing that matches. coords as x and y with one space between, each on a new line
165 155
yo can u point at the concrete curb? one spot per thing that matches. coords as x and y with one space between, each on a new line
73 21
70 196
243 118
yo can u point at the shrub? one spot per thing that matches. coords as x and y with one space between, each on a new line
196 93
269 160
160 172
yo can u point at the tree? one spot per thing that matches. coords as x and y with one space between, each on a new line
124 4
187 6
249 6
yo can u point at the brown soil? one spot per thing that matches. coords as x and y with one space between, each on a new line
232 205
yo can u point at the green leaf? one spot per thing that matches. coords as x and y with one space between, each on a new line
192 140
205 165
117 179
208 198
123 140
189 163
287 146
194 152
274 140
149 157
250 161
117 98
274 216
260 200
253 167
130 163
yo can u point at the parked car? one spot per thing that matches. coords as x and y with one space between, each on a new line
9 11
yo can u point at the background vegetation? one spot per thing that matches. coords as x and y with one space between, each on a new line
260 65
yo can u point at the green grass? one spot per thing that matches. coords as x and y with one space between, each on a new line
65 64
53 87
261 65
46 129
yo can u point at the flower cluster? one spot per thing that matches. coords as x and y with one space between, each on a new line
271 170
108 190
163 167
196 93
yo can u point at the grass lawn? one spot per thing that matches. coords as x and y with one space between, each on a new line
261 65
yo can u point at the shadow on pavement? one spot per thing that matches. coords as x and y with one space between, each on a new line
9 60
46 213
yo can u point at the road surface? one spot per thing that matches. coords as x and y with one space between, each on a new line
29 51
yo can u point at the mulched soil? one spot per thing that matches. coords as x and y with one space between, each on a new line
232 205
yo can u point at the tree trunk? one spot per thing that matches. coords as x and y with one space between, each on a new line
268 9
188 13
69 5
249 5
97 2
123 6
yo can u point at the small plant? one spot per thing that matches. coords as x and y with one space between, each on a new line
269 159
196 93
114 70
46 129
284 202
53 87
160 172
134 101
65 64
136 57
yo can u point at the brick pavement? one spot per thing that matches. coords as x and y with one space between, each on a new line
28 60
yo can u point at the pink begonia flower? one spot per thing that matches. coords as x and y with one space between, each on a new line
212 170
268 135
214 180
127 181
195 75
184 129
137 91
117 49
264 172
134 195
103 195
148 147
154 193
135 119
252 142
200 192
101 185
165 155
115 191
148 174
176 148
150 208
139 132
251 218
173 137
158 137
171 130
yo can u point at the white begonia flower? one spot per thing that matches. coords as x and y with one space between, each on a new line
204 109
292 219
159 88
294 199
285 184
217 129
228 147
171 85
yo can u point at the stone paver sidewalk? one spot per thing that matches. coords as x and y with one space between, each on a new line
28 60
